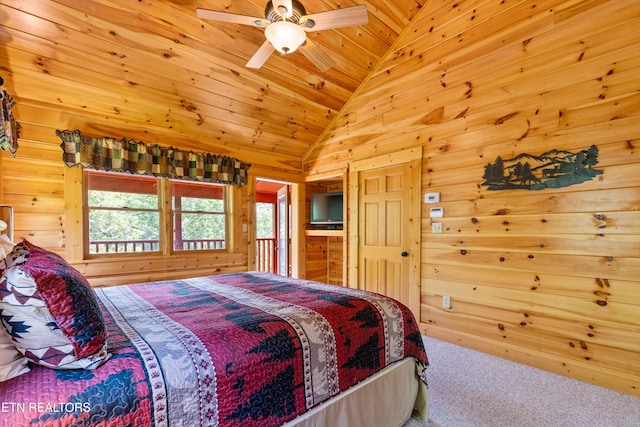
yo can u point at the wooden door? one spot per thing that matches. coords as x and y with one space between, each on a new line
388 230
384 256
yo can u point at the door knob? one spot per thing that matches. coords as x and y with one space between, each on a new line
405 254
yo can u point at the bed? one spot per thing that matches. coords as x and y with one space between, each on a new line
242 349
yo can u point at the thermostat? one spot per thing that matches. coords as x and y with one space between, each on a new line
436 212
432 197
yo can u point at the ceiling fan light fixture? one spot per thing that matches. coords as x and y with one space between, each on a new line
285 36
286 23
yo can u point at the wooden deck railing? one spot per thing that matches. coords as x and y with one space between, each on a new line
266 255
202 244
123 246
266 258
150 245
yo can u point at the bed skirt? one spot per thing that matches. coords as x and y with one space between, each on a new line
365 404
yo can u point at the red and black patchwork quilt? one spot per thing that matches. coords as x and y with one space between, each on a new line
243 349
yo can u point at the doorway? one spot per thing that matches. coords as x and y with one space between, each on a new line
273 230
385 226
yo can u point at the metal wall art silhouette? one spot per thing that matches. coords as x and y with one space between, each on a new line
553 169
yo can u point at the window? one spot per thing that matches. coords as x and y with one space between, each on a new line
199 218
265 220
125 214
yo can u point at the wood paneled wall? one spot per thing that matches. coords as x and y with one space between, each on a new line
335 260
551 277
316 258
324 258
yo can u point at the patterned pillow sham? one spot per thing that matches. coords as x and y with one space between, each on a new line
51 312
12 362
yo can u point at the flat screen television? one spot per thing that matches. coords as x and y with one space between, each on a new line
326 209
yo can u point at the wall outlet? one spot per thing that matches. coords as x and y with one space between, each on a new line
446 301
436 227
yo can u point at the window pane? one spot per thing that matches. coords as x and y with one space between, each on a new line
264 220
200 232
112 231
123 213
199 221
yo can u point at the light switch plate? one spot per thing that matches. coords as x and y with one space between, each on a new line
446 301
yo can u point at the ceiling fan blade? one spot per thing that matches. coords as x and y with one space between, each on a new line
287 4
316 55
215 15
347 17
261 55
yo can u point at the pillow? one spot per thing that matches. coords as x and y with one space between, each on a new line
12 362
50 311
6 247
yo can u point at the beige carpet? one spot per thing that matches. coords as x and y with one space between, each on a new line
469 388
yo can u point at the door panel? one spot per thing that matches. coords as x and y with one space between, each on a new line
394 279
371 275
371 234
393 225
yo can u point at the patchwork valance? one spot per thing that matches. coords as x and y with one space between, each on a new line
9 128
134 157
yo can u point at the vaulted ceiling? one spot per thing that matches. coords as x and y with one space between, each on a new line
152 70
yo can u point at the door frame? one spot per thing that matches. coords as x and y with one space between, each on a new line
414 158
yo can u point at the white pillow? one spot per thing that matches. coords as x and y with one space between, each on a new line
12 362
6 246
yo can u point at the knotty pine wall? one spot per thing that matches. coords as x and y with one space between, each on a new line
47 199
550 278
324 259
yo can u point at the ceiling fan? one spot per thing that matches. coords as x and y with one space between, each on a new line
285 25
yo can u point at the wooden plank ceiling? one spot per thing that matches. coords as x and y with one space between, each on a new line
151 68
